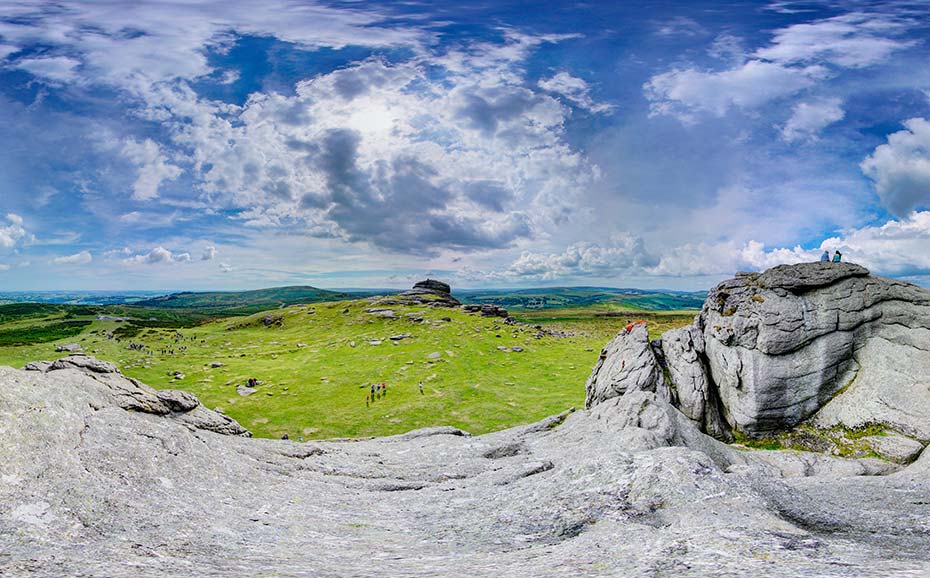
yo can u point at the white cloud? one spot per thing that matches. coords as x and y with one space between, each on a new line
900 168
82 258
155 256
54 68
799 56
453 148
153 168
854 40
682 92
209 253
13 233
392 157
7 49
225 267
622 252
576 90
897 247
680 26
4 267
169 39
810 117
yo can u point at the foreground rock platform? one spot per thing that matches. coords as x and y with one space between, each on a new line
104 477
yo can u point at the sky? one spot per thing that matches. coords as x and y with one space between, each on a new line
225 144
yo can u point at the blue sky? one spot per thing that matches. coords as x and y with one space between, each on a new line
215 144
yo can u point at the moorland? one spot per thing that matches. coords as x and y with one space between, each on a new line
315 354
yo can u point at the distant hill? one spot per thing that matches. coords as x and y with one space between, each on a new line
243 301
562 297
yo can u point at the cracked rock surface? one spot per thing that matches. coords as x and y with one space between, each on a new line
105 477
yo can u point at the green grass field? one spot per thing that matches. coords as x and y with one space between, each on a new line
315 363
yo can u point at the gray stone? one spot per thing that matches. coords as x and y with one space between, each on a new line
628 488
178 400
85 363
245 391
71 347
896 448
627 363
433 285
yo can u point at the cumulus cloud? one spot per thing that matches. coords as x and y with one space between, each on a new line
900 168
4 267
897 247
810 117
622 252
157 255
82 258
575 90
225 267
209 253
681 92
394 157
152 165
453 148
13 233
799 56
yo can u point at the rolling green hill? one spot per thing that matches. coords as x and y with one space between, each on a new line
316 362
562 297
243 302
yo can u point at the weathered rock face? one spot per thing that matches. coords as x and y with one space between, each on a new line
771 350
433 285
783 343
430 292
92 484
627 363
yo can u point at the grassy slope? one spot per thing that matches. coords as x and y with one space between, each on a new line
315 391
243 301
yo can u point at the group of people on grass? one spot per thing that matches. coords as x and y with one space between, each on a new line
379 390
826 257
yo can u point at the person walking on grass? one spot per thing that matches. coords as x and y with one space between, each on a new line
421 388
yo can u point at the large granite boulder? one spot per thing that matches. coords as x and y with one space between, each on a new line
429 292
433 285
627 363
782 344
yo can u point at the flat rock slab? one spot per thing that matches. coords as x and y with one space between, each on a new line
896 448
628 488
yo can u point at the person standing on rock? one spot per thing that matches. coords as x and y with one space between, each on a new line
837 257
825 257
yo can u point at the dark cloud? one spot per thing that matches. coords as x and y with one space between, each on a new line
402 205
486 112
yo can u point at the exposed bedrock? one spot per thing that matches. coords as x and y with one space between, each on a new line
770 350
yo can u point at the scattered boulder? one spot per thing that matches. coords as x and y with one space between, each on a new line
216 364
381 312
895 448
70 348
486 310
433 285
400 336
